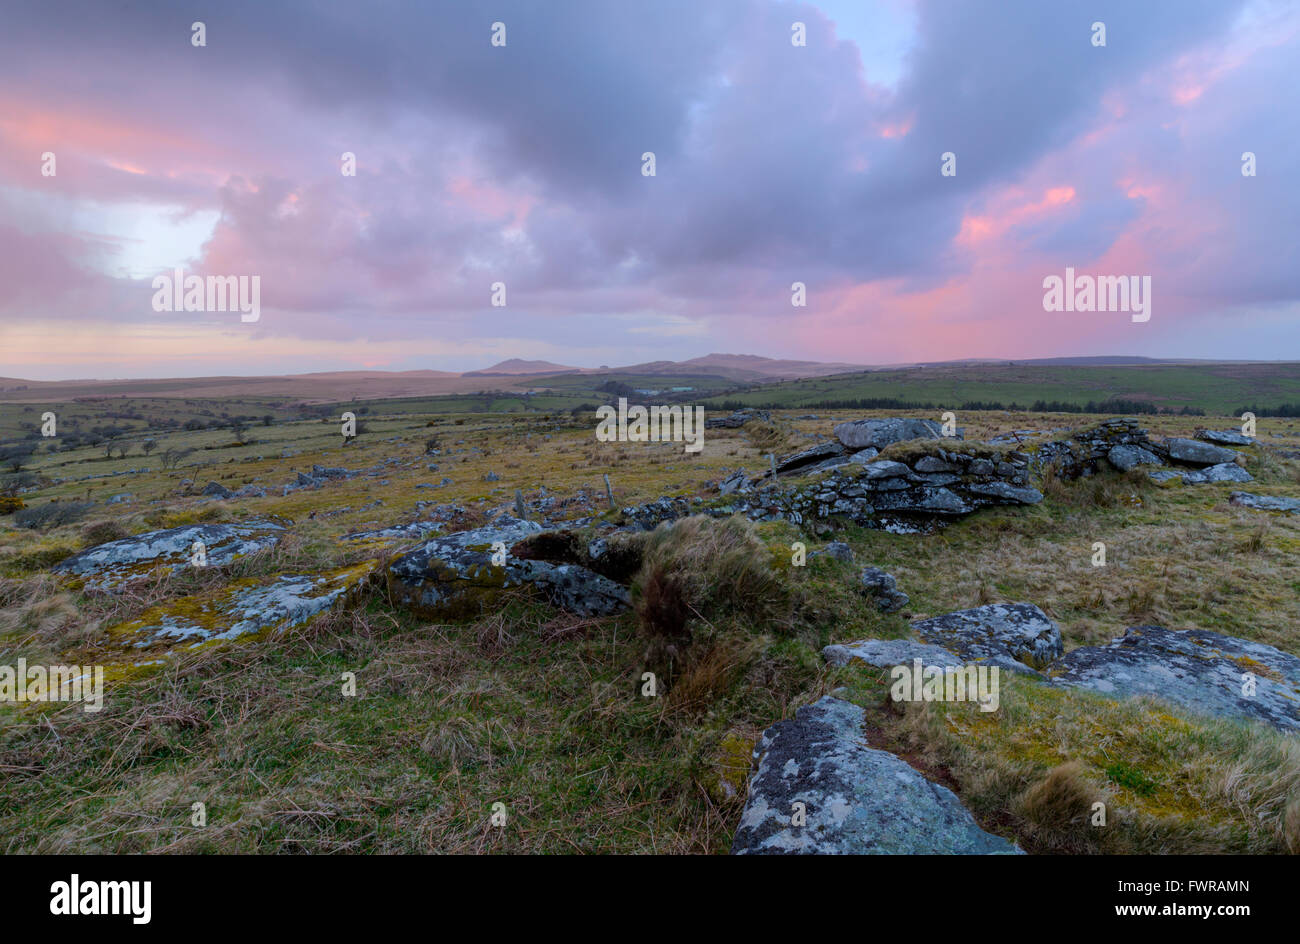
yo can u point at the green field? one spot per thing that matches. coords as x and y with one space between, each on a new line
1217 389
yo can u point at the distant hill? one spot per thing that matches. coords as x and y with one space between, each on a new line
1098 360
743 367
515 366
1168 382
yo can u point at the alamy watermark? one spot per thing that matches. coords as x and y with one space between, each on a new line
28 683
181 292
919 682
78 897
1098 293
653 424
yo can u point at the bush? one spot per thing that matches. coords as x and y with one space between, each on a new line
10 484
101 532
10 504
52 514
700 569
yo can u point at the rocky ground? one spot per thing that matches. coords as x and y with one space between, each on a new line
698 659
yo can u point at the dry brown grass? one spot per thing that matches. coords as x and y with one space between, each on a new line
710 671
1056 810
1170 782
38 615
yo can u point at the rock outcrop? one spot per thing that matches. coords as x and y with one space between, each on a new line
854 799
1124 445
825 455
1225 437
116 562
1198 670
1015 636
1201 671
737 419
1083 451
893 494
1126 457
835 550
887 653
457 576
1194 452
879 433
1223 472
856 441
240 609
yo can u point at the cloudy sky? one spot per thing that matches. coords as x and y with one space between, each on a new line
522 164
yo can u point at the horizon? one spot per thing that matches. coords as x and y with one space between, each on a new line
824 165
1142 360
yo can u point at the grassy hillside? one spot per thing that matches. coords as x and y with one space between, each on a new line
543 711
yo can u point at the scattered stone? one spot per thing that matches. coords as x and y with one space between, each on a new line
1266 502
121 499
320 472
1015 636
217 490
1201 671
858 800
491 477
884 588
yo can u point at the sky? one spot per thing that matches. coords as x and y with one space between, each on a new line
522 164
